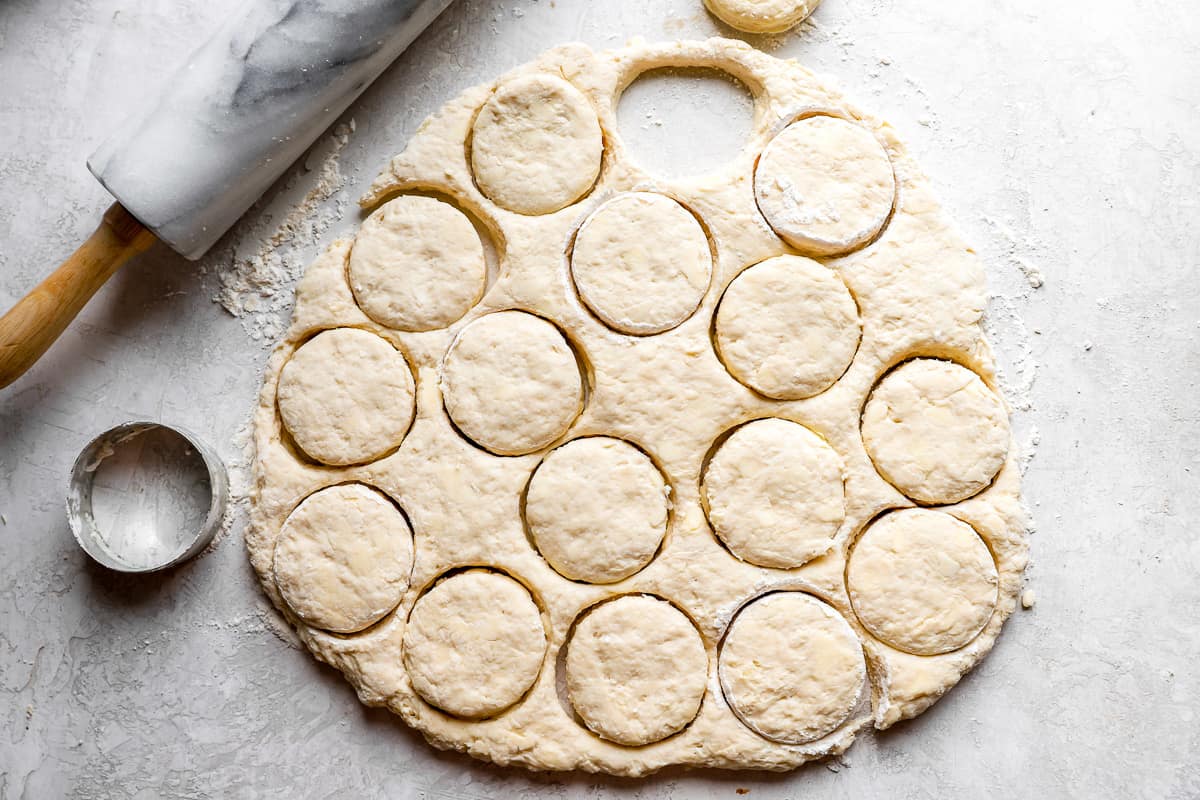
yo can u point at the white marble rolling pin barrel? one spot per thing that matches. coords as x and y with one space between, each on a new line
238 113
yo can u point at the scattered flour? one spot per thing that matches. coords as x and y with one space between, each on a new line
256 283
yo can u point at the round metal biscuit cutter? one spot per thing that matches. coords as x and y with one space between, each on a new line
145 496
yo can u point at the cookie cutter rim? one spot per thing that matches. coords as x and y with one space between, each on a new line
79 497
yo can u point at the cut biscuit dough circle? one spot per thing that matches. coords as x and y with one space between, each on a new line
791 667
597 509
474 644
346 396
511 383
641 263
787 327
774 493
762 16
922 581
636 670
417 264
536 145
825 185
343 558
935 431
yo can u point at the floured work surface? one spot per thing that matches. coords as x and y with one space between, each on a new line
706 471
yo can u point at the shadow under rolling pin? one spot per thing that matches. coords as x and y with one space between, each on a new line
237 114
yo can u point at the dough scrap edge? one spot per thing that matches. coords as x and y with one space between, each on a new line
901 685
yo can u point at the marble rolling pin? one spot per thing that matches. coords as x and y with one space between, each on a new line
242 109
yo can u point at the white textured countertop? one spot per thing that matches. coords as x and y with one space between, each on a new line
1063 138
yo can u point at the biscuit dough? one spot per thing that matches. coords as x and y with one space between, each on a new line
636 670
935 431
597 509
825 185
624 273
343 558
735 664
346 396
511 383
762 16
792 667
922 581
774 493
474 644
536 145
787 327
417 264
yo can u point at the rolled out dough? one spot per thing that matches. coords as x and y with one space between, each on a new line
638 481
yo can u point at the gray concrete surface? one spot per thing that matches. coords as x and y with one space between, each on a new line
1065 139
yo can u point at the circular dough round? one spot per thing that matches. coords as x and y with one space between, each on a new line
787 327
774 493
762 16
346 396
343 558
935 431
536 145
626 275
922 581
474 644
597 509
512 383
825 185
636 670
417 264
777 352
791 667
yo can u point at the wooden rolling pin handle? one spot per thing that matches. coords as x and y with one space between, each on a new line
32 325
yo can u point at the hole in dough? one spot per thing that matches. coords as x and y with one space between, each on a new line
774 494
922 581
343 558
791 667
597 509
685 121
636 670
935 431
346 396
474 644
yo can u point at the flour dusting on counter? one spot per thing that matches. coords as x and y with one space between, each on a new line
256 284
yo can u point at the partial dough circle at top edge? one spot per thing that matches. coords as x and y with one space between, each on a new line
762 16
